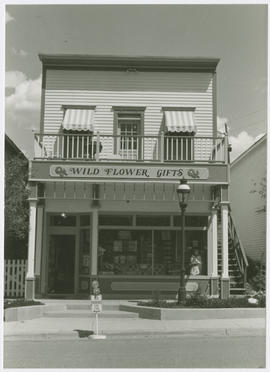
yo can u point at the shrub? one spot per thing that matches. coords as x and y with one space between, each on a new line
256 274
20 302
202 301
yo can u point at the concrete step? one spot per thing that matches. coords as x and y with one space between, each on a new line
89 314
105 307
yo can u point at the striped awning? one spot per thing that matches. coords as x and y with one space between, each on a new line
79 119
180 121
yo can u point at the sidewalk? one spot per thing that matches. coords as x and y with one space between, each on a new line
80 328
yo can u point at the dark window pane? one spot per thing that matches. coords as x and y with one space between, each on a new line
64 220
107 220
191 221
85 220
153 220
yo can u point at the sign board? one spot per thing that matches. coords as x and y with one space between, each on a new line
129 172
96 304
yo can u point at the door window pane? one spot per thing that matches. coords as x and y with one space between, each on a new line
65 220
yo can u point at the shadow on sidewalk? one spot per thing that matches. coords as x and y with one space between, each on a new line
83 333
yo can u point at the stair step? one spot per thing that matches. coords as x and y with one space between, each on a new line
105 307
89 314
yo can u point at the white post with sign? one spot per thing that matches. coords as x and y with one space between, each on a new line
96 307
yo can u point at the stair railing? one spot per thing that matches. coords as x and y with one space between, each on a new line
238 248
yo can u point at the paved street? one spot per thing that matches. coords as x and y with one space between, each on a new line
138 352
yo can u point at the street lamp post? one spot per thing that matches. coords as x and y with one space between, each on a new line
183 191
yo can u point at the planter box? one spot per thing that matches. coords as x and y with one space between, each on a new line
13 314
194 314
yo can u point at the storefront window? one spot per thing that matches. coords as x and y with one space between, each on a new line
149 252
84 251
125 252
166 260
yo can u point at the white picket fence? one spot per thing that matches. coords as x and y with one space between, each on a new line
15 271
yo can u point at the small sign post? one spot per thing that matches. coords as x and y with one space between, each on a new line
96 307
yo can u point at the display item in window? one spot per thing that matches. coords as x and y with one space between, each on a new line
195 263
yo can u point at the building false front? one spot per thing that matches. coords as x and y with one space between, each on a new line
117 135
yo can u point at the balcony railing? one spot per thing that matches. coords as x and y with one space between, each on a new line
161 148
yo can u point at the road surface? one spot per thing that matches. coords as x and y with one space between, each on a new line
138 352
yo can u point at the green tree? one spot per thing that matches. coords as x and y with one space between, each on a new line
16 204
260 188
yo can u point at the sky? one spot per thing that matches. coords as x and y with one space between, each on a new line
237 34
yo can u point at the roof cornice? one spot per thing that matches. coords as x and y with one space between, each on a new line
127 63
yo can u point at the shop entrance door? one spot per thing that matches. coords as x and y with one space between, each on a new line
61 264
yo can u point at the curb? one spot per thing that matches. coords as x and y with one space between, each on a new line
138 334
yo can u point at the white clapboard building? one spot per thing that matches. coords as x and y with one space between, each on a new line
117 134
248 180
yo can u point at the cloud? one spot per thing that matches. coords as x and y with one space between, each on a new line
19 52
9 17
242 142
14 78
23 105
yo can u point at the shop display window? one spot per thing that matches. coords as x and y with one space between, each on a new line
149 252
84 251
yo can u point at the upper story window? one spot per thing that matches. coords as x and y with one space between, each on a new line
128 129
180 128
78 128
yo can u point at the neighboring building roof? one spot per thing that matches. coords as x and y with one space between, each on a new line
128 63
12 147
251 148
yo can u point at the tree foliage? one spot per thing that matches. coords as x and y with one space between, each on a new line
260 188
16 195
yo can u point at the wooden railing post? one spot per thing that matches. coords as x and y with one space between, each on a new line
162 147
97 149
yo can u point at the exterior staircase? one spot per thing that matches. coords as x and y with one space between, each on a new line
237 259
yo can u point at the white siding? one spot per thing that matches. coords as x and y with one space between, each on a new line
105 89
247 208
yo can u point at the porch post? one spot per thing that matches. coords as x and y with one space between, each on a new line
225 280
40 210
30 276
213 252
94 254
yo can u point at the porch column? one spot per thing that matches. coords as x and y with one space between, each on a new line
225 280
213 252
94 253
30 276
40 211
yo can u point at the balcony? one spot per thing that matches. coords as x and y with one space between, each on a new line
102 148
